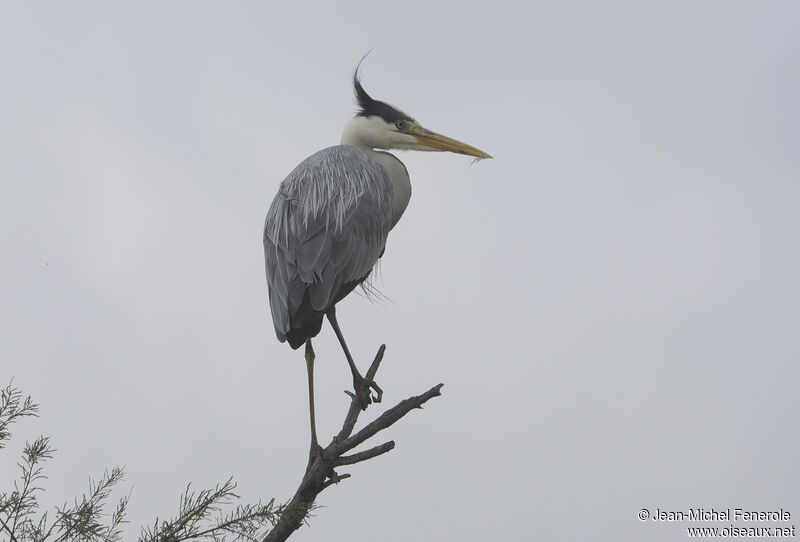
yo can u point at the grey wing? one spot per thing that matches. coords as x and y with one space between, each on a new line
324 232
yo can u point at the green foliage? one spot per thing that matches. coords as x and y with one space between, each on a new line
13 407
201 516
210 514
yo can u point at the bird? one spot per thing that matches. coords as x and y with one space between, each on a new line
328 225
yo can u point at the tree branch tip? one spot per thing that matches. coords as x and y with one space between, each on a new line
373 368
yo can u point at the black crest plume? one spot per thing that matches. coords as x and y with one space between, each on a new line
369 107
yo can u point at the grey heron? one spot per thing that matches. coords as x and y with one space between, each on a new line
328 224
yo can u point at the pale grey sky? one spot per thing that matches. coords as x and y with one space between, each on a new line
612 302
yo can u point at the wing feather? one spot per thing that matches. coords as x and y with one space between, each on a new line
324 232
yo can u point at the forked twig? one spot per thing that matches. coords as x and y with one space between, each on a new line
320 474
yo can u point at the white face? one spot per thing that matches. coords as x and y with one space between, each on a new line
376 133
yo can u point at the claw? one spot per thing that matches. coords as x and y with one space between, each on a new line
362 395
363 392
378 397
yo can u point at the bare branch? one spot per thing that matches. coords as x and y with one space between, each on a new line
367 454
335 479
388 418
320 474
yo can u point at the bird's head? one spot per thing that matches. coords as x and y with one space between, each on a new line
379 125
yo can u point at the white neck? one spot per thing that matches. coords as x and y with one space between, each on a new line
364 132
371 133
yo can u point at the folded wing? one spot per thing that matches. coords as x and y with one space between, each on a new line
324 232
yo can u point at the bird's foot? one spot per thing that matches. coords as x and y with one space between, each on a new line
363 394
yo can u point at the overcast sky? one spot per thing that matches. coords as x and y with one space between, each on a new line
612 302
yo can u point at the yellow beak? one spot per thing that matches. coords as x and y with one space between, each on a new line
431 141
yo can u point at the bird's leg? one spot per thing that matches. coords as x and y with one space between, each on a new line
315 449
361 385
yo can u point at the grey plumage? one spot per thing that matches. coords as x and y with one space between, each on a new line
324 232
328 224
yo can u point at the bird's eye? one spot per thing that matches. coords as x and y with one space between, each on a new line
401 124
